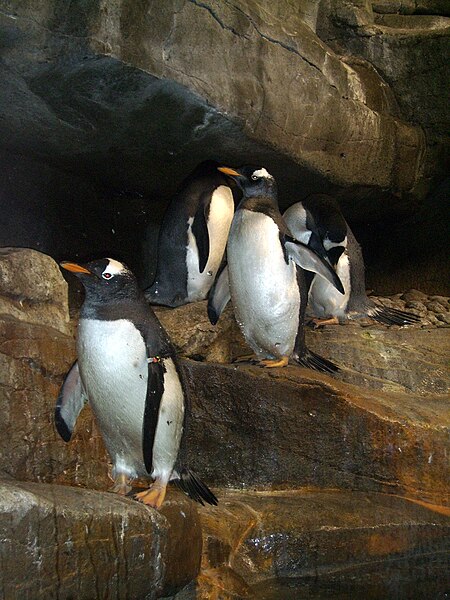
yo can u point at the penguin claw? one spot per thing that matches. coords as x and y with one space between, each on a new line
153 497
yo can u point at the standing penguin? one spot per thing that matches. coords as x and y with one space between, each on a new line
319 223
128 372
192 238
266 287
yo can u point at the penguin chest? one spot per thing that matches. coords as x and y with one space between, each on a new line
219 220
113 368
264 289
324 299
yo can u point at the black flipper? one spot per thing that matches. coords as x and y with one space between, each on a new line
309 260
155 390
311 360
392 316
219 294
191 485
201 234
71 399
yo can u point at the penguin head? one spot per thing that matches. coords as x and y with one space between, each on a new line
253 181
104 279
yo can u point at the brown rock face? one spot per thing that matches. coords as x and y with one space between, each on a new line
311 543
73 543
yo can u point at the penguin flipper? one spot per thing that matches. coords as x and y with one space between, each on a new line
219 296
190 484
71 399
155 390
200 231
308 259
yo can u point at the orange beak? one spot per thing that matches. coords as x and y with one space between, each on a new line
228 171
74 268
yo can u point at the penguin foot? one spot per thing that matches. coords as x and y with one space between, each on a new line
121 485
317 323
271 363
154 496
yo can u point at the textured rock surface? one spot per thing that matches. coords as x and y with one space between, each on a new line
364 541
294 427
75 543
31 288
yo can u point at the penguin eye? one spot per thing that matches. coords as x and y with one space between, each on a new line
255 177
106 275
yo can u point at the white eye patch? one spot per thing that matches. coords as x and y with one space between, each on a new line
114 268
262 173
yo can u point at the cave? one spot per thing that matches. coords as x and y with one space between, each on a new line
106 107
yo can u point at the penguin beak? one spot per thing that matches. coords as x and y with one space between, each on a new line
74 268
229 171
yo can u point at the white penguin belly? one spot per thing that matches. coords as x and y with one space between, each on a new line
114 371
324 300
264 289
219 220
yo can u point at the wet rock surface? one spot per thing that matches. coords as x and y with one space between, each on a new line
74 543
346 540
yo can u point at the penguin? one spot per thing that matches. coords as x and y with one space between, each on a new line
319 223
192 238
264 276
128 372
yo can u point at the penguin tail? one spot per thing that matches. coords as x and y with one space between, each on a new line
392 316
190 484
311 360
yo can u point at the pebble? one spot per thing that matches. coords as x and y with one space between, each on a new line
433 310
412 295
436 307
444 317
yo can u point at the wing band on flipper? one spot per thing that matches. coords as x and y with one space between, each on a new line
191 485
71 399
308 259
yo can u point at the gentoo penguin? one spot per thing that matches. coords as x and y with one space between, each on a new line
128 372
319 223
192 238
262 278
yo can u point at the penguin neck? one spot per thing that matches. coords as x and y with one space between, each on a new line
103 306
266 203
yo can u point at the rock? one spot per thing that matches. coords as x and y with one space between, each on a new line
436 307
293 427
309 532
442 300
34 359
32 289
194 336
414 296
419 307
444 317
94 544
